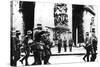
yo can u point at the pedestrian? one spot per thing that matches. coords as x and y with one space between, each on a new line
87 47
65 44
27 42
59 44
70 44
15 48
93 40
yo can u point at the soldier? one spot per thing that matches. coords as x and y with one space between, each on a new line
59 44
15 48
87 47
93 40
65 44
70 44
38 46
47 49
27 41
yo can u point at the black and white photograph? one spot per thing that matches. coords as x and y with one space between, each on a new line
46 33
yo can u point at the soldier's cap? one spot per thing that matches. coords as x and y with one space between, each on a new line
69 31
87 33
93 31
29 32
18 32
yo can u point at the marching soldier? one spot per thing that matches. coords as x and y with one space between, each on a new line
37 47
15 48
87 47
70 44
27 42
59 44
93 40
47 48
65 44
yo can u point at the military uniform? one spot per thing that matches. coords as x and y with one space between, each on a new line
27 50
37 48
27 44
65 45
47 51
70 45
59 45
15 49
94 47
88 48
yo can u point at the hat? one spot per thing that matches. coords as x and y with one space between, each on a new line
18 32
93 30
87 33
29 32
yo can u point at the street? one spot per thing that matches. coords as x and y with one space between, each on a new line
56 60
62 58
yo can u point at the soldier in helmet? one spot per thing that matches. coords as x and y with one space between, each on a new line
38 46
27 42
15 48
65 44
93 42
47 48
59 44
87 47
